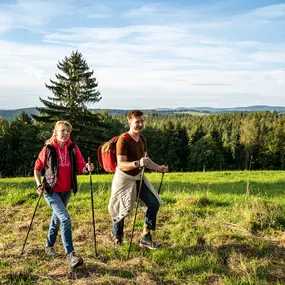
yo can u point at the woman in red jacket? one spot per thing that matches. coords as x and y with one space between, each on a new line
61 158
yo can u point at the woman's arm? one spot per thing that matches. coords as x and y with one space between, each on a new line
37 175
39 165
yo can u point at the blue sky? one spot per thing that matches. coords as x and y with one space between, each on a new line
147 54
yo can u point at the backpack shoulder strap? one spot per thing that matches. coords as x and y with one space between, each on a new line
143 138
127 136
144 141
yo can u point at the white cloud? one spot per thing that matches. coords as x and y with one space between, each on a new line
269 56
97 11
141 66
142 45
141 11
269 12
31 14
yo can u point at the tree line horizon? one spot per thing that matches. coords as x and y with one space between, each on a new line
236 141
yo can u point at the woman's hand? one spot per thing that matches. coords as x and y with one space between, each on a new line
41 189
88 168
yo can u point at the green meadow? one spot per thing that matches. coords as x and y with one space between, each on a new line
215 228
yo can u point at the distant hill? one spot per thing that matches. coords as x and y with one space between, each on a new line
256 108
10 114
195 111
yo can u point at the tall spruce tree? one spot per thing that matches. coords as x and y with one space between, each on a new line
73 90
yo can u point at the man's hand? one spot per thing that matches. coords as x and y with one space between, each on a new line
144 161
41 189
163 168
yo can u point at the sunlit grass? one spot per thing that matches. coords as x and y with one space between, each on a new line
215 228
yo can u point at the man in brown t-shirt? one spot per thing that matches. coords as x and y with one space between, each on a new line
131 157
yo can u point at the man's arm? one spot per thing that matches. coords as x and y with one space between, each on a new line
125 165
148 163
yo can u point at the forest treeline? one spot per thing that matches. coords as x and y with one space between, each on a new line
236 141
186 143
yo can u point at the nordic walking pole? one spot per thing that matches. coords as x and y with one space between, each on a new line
39 198
138 196
92 204
159 188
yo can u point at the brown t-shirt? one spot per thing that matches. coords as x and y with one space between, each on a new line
133 150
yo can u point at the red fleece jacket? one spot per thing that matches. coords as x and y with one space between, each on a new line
63 183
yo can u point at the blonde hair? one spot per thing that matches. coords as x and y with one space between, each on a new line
57 124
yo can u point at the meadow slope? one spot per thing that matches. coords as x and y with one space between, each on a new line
215 228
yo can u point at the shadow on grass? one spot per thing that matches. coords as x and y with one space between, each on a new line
98 267
92 270
21 278
272 271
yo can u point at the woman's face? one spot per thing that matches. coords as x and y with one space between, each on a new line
62 133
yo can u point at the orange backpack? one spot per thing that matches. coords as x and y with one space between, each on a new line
107 154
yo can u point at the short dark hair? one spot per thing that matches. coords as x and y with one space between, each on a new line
135 113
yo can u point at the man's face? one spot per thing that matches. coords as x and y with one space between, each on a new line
136 124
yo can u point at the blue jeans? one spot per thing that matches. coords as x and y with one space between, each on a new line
60 217
150 217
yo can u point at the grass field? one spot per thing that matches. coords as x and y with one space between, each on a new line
215 228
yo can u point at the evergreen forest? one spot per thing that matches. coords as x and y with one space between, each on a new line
237 141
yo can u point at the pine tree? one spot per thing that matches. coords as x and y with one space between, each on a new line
73 90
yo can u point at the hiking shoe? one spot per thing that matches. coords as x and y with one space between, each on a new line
74 260
50 251
118 242
147 242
